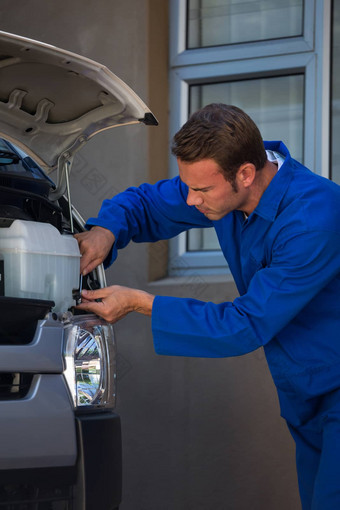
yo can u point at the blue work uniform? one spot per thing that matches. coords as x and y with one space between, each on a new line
285 259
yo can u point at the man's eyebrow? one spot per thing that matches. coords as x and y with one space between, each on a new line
206 188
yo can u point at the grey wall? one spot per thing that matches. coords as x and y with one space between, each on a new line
197 433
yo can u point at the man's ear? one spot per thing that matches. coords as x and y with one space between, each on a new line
246 174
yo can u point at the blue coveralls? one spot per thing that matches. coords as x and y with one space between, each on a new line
285 259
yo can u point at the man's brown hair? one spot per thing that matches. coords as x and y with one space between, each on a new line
224 133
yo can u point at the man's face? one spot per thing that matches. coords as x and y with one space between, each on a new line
208 191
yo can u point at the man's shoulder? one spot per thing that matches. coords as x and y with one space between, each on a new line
313 200
308 184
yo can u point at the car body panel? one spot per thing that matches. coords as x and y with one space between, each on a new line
53 101
42 355
39 430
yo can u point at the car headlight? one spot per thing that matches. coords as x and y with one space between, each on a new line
90 359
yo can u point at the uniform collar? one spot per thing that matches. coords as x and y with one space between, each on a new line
269 203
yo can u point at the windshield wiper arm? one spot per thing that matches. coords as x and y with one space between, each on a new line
8 158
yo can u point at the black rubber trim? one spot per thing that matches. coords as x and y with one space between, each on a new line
149 119
101 457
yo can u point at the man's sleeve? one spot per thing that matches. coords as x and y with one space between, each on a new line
148 213
301 267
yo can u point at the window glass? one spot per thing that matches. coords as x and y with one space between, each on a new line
218 22
335 151
276 105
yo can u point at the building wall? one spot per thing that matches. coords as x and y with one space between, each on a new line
197 433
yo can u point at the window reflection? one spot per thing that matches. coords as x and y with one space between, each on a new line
217 22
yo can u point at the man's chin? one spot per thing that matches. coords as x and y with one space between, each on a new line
213 215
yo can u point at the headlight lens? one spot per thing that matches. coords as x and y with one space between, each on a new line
90 357
89 367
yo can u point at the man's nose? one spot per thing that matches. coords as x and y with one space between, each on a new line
194 198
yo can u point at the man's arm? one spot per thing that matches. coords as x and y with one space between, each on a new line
294 293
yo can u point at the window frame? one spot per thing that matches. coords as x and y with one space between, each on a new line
308 54
180 56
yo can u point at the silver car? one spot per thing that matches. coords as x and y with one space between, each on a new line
60 436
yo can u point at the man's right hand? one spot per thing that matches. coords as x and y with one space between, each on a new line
94 246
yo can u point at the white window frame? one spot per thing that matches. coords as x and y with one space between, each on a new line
308 54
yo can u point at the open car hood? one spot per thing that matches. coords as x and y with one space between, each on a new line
53 101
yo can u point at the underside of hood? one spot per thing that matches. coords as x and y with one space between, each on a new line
53 101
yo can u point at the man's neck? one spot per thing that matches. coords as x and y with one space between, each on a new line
261 182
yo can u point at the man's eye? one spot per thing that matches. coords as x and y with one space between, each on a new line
201 190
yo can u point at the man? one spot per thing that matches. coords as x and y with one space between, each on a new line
278 227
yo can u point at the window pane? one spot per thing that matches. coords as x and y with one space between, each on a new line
217 22
277 107
335 171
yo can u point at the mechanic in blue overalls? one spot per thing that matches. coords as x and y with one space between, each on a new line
278 225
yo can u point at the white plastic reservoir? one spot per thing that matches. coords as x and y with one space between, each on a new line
38 262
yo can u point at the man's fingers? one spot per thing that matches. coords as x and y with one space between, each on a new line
94 307
116 302
91 306
92 295
86 265
94 246
93 301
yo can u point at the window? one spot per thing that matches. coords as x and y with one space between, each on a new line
265 56
217 22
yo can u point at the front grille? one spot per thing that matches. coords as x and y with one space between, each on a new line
33 497
14 385
5 181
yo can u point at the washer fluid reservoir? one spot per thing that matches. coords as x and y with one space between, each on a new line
38 262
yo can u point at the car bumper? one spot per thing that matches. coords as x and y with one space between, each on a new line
95 481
